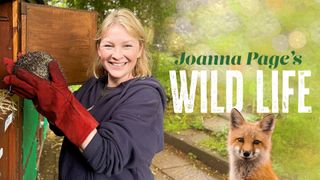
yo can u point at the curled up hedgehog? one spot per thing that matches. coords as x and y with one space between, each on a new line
35 62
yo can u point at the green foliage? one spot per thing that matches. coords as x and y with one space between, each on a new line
57 3
175 123
179 122
192 156
294 142
197 123
216 142
161 70
74 88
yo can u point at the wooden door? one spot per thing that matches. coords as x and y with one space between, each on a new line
68 35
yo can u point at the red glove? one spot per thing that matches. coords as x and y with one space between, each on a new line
29 92
54 101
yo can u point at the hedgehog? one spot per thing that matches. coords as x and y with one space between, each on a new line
35 62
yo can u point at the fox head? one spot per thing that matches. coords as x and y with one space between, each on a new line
250 141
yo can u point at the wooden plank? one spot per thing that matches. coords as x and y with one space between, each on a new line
15 31
10 145
23 33
68 35
4 149
10 139
6 36
14 142
15 139
5 51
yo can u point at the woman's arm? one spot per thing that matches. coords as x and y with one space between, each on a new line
132 136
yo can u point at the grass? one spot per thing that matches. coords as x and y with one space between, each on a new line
295 147
179 122
217 142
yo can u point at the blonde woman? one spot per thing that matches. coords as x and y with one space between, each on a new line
113 125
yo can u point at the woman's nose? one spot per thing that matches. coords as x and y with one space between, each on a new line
117 53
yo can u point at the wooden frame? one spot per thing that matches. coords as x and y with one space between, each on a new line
10 162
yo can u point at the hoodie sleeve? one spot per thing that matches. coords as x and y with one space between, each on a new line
131 137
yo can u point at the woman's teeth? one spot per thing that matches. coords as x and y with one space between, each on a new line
118 64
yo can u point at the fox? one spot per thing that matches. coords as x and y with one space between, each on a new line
249 147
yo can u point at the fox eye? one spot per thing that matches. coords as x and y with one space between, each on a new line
241 140
256 142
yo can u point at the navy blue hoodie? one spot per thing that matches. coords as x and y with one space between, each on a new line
129 134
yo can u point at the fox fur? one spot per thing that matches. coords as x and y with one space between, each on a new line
249 147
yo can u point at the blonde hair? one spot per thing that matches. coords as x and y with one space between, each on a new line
133 26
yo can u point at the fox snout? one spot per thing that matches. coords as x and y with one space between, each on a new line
246 154
249 155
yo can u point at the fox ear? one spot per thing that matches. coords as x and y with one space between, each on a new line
236 119
267 123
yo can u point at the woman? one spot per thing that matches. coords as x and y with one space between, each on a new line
113 125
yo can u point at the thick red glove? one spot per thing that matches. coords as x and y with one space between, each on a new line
55 101
28 92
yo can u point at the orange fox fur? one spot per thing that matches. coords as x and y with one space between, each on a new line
249 146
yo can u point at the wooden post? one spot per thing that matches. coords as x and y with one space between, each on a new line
10 133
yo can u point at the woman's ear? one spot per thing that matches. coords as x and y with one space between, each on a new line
98 50
141 49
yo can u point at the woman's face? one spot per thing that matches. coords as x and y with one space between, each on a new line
119 52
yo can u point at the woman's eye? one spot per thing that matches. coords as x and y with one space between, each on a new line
107 45
128 45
